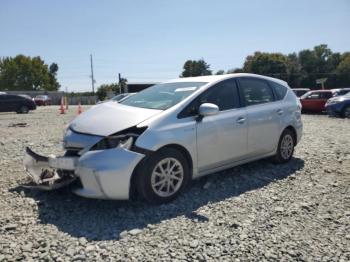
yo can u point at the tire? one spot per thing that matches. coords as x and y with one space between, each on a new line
346 112
157 186
285 147
23 110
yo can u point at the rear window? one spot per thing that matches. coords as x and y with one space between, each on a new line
280 90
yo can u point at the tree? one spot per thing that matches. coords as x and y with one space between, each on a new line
271 64
343 70
234 70
293 70
27 73
196 68
104 89
220 72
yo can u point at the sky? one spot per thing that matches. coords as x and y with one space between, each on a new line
149 41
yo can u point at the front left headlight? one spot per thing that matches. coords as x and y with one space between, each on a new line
124 139
113 142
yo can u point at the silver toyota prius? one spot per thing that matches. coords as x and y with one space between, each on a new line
154 142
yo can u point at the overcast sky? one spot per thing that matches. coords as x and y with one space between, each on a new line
150 40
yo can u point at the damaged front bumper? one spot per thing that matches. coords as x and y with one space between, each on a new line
103 174
48 173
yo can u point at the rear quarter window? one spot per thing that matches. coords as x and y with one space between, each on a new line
279 90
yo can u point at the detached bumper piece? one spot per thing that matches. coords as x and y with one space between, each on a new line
49 173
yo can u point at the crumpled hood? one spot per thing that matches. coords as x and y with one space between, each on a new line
110 117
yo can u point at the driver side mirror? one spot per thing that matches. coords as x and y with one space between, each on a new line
207 109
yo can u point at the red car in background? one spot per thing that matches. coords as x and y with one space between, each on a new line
42 100
315 100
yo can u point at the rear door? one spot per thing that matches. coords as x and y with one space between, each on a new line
263 114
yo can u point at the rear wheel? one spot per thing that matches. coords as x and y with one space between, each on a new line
163 176
23 110
346 112
285 148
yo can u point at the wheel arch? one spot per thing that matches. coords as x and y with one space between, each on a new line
132 188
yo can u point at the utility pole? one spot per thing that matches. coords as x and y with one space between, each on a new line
119 83
92 76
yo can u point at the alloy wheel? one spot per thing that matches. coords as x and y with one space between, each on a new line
287 146
167 177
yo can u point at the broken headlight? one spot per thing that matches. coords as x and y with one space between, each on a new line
124 139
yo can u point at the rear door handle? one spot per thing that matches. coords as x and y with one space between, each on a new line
241 120
279 111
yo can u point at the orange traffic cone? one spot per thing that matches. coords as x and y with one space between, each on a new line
62 107
80 110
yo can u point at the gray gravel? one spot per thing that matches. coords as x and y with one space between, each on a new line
259 211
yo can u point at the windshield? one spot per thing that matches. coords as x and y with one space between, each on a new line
162 96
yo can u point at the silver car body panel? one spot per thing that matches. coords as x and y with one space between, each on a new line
217 142
110 117
106 173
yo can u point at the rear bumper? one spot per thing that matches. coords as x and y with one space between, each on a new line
104 174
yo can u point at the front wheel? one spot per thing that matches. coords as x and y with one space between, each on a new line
163 176
23 110
285 148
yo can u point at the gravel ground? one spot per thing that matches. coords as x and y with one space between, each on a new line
259 211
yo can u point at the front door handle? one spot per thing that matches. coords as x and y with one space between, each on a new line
279 111
241 120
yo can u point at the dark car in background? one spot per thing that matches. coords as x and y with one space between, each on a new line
341 91
300 91
42 100
15 103
339 106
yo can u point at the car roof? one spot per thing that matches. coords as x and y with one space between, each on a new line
215 78
321 90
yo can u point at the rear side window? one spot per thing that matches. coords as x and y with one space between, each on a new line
326 95
223 94
280 90
255 91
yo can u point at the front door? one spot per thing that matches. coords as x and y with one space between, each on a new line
221 138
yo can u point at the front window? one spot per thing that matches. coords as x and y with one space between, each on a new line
162 96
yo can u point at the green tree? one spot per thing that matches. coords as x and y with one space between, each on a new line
234 70
196 68
220 72
104 89
293 70
318 63
343 70
271 64
27 73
